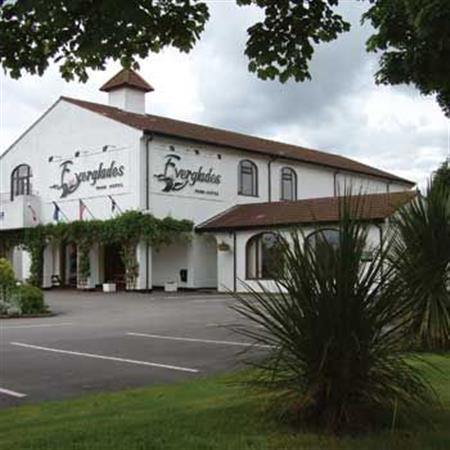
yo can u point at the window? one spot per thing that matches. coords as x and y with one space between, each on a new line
288 184
21 181
248 178
324 243
263 256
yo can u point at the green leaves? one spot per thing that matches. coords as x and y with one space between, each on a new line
337 329
421 257
127 230
84 34
414 38
281 45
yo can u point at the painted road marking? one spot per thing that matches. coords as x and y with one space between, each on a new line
205 341
104 357
38 325
12 393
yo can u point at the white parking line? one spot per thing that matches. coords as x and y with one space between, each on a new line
205 341
38 325
108 358
12 393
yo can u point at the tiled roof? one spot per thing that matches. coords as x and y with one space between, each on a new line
127 77
371 207
229 139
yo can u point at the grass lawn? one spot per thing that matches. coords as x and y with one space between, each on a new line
211 413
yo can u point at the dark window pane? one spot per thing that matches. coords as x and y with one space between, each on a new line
247 178
288 184
264 256
21 181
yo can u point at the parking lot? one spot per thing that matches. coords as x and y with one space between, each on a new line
104 342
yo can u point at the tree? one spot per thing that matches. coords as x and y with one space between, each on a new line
421 257
442 175
7 279
413 36
336 329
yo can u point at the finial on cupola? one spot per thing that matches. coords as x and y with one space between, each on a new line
126 90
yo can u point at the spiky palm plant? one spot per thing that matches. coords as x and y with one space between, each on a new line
421 255
335 329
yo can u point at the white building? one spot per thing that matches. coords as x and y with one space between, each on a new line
101 154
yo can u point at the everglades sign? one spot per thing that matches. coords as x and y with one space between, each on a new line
176 177
97 175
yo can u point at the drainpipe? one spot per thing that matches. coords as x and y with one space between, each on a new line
148 136
381 237
269 174
336 172
234 263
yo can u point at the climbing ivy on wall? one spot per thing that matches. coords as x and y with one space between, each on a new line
127 230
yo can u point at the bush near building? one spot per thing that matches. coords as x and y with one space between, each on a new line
18 299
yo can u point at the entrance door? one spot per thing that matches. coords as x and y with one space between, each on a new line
114 266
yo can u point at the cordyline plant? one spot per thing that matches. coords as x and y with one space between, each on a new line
421 256
336 329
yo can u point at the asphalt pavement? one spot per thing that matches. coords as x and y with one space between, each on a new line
100 342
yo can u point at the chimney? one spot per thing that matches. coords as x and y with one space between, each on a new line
126 90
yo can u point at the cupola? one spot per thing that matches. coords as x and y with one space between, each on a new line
126 90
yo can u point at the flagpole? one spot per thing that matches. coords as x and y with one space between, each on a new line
58 210
114 204
83 204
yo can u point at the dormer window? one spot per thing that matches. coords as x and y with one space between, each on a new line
21 181
248 178
288 184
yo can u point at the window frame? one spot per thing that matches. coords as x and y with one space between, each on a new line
288 174
257 262
21 184
313 236
254 175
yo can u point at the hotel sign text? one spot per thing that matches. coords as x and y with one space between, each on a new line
176 178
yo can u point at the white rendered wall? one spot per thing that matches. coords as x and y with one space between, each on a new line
202 262
65 130
167 263
128 99
226 259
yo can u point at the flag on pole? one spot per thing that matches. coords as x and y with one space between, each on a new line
56 212
114 205
33 213
81 209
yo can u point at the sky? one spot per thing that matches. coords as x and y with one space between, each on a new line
341 110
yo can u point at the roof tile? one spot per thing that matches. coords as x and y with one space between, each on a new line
369 207
127 77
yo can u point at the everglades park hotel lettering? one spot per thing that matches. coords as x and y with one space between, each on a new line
70 181
176 178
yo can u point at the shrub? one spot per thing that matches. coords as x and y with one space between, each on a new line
421 256
30 299
7 279
336 330
4 307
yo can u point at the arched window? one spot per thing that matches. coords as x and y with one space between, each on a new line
321 240
288 184
263 256
248 178
21 181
